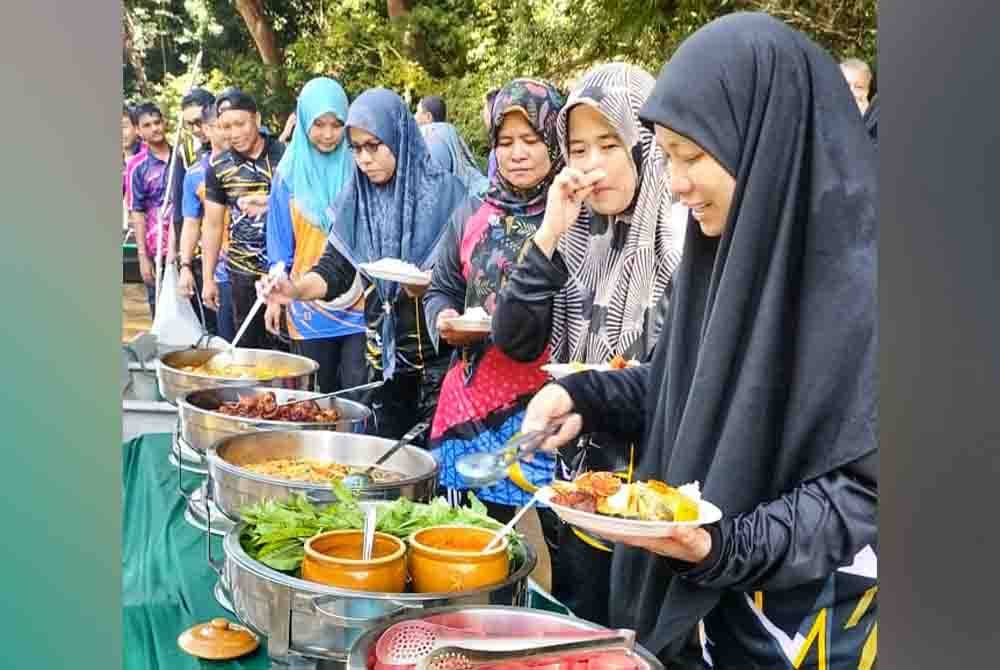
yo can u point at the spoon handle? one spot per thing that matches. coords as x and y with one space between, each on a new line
413 433
369 534
502 533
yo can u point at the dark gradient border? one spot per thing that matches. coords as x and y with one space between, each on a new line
939 296
60 73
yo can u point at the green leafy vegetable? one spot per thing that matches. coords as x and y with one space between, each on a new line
276 532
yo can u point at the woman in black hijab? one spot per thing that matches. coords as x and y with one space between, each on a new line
762 383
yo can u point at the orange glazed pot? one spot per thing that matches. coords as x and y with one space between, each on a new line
334 559
446 559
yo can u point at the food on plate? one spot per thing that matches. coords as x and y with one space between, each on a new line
604 493
475 314
309 470
238 371
618 362
395 266
265 406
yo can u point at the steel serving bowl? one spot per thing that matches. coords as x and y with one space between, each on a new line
234 487
175 382
322 622
202 425
492 619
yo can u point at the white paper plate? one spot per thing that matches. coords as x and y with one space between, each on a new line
599 523
377 271
560 370
470 325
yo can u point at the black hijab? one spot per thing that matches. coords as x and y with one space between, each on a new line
764 374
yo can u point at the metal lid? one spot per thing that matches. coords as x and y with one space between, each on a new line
219 639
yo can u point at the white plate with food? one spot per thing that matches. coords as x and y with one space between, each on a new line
600 503
475 320
560 370
395 270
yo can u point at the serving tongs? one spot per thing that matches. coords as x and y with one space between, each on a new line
486 468
463 658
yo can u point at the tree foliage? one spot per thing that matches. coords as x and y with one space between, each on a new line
454 48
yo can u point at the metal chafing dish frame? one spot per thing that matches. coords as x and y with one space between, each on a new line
293 602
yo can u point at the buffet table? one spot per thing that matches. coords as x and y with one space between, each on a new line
166 581
167 584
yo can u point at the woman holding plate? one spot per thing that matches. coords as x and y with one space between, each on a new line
762 383
396 206
486 390
620 239
315 167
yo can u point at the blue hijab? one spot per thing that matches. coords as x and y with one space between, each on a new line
404 218
316 178
452 153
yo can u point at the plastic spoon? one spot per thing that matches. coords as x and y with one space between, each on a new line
368 533
502 533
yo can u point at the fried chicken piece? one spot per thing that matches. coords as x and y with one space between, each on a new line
600 484
578 500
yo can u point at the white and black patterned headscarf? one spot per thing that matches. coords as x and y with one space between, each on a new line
621 264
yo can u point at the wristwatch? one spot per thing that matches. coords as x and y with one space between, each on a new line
186 264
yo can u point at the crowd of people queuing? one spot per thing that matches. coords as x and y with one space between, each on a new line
716 223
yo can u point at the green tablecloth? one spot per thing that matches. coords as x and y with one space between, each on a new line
166 581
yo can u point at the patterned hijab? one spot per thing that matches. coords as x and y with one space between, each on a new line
540 102
506 223
622 264
404 218
314 177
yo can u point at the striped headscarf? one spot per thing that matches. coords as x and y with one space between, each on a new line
621 265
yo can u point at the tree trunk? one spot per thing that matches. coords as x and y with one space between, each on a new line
260 29
133 55
398 8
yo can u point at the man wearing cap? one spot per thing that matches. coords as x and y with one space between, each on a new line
239 180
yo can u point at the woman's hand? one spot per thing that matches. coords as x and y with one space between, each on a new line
453 336
681 542
549 405
566 195
272 318
277 290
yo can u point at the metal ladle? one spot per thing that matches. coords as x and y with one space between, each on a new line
361 387
363 479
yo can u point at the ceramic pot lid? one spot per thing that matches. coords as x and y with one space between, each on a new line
219 639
